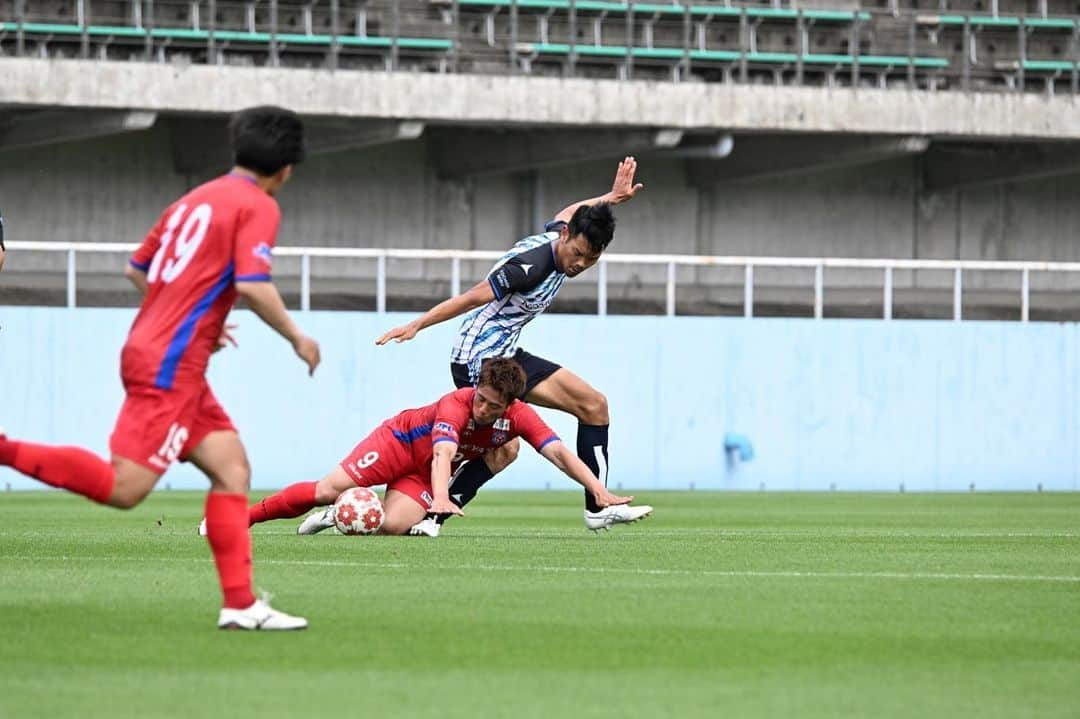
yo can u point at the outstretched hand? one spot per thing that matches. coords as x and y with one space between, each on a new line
445 506
624 187
606 499
399 334
307 349
226 338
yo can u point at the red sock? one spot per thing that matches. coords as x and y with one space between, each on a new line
70 468
230 541
290 502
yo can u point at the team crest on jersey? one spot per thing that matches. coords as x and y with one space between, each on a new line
498 438
264 253
502 424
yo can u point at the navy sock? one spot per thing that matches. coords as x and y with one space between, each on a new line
468 481
592 442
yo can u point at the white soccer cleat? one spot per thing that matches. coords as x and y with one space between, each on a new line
202 527
427 527
317 521
260 616
615 514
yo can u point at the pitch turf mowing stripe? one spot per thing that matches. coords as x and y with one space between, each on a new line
935 576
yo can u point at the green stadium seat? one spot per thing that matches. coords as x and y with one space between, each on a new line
256 38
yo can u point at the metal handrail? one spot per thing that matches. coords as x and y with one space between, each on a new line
748 263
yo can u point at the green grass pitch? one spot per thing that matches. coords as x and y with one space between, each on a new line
721 605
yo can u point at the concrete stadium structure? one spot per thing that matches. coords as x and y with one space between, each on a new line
92 149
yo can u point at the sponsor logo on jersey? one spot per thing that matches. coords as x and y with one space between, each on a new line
502 424
263 252
526 269
502 280
426 496
445 427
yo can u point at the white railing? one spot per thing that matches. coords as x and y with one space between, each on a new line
455 257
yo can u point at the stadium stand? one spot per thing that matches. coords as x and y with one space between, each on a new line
935 44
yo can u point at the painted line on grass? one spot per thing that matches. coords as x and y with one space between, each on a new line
790 574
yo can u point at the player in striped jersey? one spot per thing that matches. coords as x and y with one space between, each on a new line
521 285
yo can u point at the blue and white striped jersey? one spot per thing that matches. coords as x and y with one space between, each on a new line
525 281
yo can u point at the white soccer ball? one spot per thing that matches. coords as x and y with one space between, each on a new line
358 511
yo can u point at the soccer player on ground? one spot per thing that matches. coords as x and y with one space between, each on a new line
415 452
211 245
521 286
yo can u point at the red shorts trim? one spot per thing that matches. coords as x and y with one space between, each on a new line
156 426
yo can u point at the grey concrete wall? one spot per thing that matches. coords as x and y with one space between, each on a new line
517 100
111 190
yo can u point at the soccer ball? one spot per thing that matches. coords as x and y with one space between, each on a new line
358 511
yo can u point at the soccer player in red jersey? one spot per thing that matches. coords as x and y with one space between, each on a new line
208 247
415 453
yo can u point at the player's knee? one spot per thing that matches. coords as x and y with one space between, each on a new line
594 409
504 456
235 476
325 493
125 499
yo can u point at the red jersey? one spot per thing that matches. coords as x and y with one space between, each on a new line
220 233
450 419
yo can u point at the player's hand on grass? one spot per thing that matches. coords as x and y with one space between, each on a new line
445 506
226 338
624 188
307 349
606 499
399 334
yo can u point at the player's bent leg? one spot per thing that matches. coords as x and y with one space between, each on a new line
401 512
566 391
468 480
70 468
326 491
132 483
221 457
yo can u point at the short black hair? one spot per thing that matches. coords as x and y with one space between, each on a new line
597 223
503 375
266 138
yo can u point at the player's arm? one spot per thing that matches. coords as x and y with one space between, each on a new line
443 451
137 277
560 455
480 294
265 301
622 189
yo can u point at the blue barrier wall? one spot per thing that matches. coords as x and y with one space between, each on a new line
850 404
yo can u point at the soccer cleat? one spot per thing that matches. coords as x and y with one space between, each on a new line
202 527
317 521
260 616
427 527
615 514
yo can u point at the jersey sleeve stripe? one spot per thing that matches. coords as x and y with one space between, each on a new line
182 338
253 278
495 288
549 440
442 439
141 266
